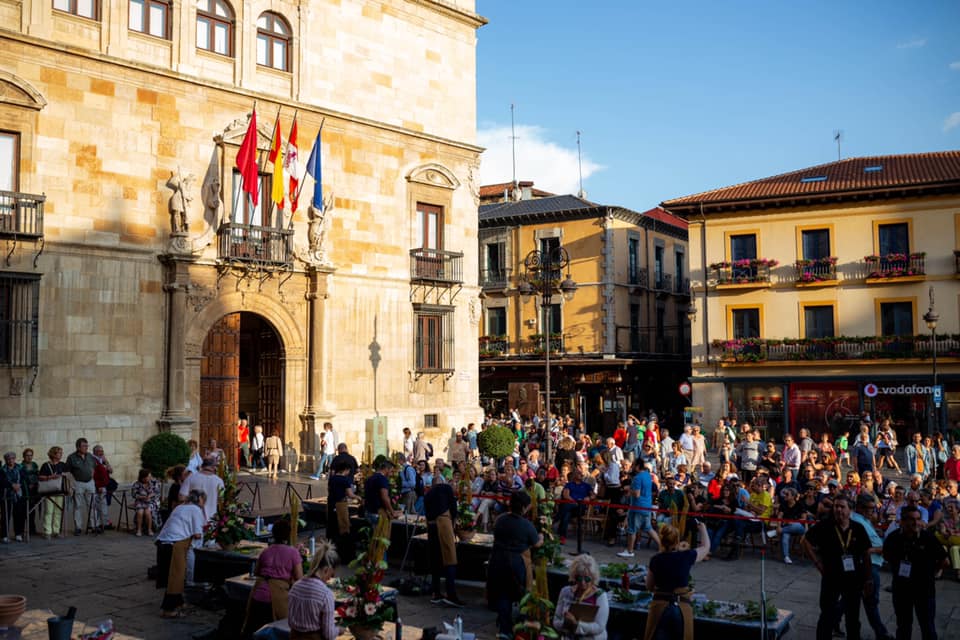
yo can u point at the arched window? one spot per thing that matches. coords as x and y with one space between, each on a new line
273 41
215 27
83 8
150 16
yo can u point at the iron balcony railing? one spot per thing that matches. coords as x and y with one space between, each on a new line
436 265
492 346
746 271
638 277
895 265
682 287
254 244
839 348
664 282
538 344
669 342
21 214
816 270
495 278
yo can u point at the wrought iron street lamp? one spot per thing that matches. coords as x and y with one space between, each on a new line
543 270
931 317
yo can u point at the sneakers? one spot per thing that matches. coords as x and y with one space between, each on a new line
77 532
19 538
452 602
437 599
771 533
625 554
787 560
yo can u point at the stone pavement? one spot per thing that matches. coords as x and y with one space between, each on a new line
106 576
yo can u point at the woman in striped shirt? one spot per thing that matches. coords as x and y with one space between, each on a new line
311 603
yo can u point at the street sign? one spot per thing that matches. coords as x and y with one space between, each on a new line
685 388
938 395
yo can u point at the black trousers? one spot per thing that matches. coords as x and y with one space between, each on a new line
437 568
832 589
905 603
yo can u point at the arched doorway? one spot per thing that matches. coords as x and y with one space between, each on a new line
240 370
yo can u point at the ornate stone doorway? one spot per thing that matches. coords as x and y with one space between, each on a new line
241 369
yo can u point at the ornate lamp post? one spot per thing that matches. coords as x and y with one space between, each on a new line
542 275
931 317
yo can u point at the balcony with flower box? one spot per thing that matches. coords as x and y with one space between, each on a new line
816 272
757 350
494 346
898 267
538 343
751 273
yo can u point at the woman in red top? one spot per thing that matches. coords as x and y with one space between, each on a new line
952 467
620 435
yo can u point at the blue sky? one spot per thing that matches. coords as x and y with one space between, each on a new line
677 98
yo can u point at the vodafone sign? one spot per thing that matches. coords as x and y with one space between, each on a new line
871 390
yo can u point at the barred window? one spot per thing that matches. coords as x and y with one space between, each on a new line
19 318
433 340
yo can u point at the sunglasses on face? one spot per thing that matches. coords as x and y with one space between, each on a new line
586 579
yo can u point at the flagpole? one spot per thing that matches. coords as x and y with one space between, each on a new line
273 133
300 184
233 209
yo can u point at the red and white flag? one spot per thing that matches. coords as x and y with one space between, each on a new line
290 166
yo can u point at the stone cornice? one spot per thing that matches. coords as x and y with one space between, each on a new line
454 12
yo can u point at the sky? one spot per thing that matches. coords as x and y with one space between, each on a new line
672 99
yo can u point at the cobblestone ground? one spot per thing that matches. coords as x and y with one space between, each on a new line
106 576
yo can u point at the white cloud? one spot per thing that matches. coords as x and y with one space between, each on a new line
952 121
551 166
955 65
912 44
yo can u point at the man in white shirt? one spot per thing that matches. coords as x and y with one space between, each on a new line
207 481
616 453
328 447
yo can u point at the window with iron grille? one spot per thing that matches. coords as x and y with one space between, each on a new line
19 319
433 339
430 421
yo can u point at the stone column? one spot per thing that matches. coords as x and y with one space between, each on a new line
175 417
315 413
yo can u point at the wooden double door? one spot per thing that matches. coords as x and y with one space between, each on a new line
241 369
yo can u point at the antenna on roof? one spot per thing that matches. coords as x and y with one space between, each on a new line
579 167
513 146
837 137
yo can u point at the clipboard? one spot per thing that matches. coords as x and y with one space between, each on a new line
583 612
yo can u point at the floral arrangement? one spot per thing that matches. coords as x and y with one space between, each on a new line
466 516
227 527
817 262
365 606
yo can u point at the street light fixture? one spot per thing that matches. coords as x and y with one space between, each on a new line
931 317
543 270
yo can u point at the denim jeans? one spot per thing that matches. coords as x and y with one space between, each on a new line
871 602
324 465
792 529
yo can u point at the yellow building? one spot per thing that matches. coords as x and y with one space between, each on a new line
141 290
812 288
619 345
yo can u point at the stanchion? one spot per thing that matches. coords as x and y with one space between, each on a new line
763 593
580 513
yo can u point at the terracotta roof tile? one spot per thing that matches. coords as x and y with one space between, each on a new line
666 217
489 190
844 177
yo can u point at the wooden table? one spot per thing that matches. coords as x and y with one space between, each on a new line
32 625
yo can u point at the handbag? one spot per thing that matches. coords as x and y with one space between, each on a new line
53 486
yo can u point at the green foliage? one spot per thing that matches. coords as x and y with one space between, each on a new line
496 441
162 451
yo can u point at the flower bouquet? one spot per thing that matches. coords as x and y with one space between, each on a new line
365 610
466 522
227 527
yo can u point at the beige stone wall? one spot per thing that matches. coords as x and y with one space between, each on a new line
121 117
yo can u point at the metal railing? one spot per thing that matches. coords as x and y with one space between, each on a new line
21 214
682 287
538 344
896 265
491 346
839 348
639 278
668 342
436 265
251 243
756 271
819 270
495 278
434 354
664 282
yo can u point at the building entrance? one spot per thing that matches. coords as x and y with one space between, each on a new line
240 370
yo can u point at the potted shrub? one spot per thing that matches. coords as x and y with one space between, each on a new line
162 451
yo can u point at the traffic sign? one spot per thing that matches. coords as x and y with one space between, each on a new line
685 388
937 395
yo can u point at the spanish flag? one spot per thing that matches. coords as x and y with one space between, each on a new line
276 157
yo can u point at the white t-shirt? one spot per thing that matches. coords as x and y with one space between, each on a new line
330 442
184 521
209 483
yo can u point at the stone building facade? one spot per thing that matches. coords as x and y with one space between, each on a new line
120 317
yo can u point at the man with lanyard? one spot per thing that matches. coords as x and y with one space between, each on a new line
82 465
915 557
376 494
440 505
866 515
840 550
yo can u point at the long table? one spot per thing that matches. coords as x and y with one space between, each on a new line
216 565
472 556
280 630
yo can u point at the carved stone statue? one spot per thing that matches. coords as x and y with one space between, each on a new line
182 186
317 226
211 198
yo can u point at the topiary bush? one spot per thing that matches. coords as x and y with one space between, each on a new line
162 451
496 442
